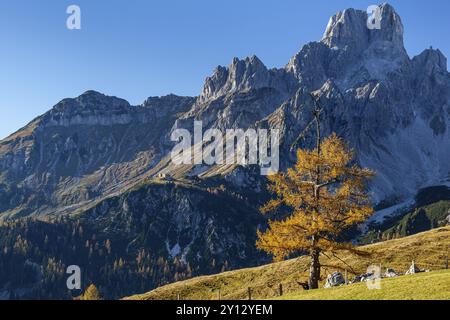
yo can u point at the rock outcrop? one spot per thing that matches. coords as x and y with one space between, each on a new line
335 279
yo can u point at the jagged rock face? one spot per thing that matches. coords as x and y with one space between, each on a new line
198 226
348 30
243 76
393 110
240 95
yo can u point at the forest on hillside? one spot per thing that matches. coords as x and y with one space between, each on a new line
34 256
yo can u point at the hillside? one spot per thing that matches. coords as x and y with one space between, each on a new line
156 233
427 249
421 219
431 210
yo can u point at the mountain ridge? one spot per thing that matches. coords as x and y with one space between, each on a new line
356 72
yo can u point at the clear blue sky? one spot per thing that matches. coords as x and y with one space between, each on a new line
139 48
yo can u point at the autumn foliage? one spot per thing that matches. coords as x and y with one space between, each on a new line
91 293
316 200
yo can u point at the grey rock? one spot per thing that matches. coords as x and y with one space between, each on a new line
364 277
390 273
335 279
413 269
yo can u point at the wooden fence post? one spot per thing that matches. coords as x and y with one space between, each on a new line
220 297
249 293
281 289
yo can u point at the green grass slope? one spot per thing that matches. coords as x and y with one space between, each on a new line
422 286
428 249
422 219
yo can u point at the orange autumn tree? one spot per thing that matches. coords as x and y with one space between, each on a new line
324 194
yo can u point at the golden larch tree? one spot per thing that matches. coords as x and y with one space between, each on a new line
91 293
321 196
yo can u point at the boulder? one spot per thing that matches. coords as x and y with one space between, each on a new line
390 273
415 269
335 279
363 277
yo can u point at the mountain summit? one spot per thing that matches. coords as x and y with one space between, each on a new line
349 29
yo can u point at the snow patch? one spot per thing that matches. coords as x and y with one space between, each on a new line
174 251
383 214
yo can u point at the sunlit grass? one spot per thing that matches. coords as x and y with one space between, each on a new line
422 286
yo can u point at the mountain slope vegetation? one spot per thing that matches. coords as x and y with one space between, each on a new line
429 251
430 210
131 242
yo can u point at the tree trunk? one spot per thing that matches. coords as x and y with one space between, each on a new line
314 270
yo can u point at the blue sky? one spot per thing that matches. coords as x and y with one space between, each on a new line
139 48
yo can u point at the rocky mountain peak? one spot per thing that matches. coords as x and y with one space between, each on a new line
391 26
250 72
346 28
349 28
169 104
241 75
90 100
431 60
90 107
